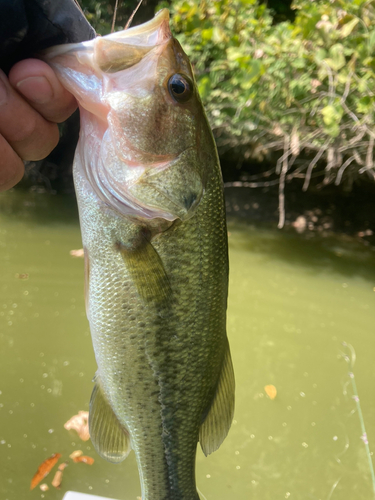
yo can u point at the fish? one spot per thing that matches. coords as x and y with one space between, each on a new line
152 215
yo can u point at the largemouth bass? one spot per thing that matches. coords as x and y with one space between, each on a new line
151 207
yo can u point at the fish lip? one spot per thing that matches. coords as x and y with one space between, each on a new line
141 35
160 22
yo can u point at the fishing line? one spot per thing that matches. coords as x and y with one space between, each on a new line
199 491
351 360
333 488
134 13
114 17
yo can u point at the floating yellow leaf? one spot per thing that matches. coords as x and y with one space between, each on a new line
270 391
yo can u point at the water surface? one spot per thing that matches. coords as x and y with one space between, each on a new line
292 305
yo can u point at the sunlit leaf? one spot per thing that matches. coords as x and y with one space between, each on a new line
364 104
254 70
371 41
271 391
337 59
348 27
204 86
331 114
207 34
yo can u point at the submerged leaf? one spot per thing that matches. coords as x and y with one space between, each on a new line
22 276
85 459
271 391
79 423
77 253
56 482
44 469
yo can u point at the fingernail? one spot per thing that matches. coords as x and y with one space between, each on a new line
36 88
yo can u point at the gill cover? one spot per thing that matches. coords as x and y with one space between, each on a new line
141 118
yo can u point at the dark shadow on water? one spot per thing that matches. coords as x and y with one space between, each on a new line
253 216
338 253
39 207
334 253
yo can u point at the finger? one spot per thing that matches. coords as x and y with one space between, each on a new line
29 134
38 83
11 166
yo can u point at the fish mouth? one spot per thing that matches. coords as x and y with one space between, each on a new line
153 32
124 49
144 37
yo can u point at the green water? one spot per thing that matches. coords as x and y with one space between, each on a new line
292 304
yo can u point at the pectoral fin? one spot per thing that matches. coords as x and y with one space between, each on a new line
147 271
216 425
110 439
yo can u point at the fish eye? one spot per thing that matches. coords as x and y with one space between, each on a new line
180 87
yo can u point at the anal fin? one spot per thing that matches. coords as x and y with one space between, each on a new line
216 425
110 439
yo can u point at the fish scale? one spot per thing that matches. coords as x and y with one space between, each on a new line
155 240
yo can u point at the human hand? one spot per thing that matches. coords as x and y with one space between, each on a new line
32 102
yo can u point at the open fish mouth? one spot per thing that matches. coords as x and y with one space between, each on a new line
108 51
144 34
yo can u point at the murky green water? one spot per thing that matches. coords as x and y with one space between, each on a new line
292 305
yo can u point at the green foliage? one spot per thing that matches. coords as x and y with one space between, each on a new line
305 87
100 13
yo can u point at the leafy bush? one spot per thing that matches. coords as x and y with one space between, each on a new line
100 13
303 89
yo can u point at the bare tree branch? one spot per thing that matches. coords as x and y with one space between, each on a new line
284 170
312 165
342 169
